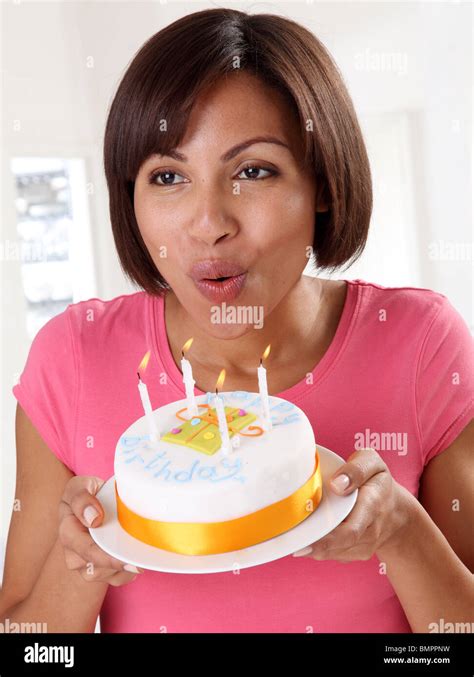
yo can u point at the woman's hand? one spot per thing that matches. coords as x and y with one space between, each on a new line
78 510
381 511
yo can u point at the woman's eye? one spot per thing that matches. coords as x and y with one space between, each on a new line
252 173
253 170
167 178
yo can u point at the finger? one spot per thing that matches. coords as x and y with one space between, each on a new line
73 560
91 483
122 579
352 529
360 467
79 495
91 573
74 536
332 551
363 551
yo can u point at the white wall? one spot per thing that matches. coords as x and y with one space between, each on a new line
408 68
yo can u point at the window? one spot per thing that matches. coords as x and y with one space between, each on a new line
54 236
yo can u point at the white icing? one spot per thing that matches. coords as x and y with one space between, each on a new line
171 482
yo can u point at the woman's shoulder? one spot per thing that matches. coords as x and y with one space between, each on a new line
416 297
95 320
94 315
426 316
118 304
409 306
371 303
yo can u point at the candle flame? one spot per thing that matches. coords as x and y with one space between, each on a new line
143 364
266 352
187 345
220 380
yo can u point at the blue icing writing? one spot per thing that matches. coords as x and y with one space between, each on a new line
155 460
227 463
132 458
185 475
210 398
135 442
196 471
240 395
132 441
289 419
209 473
201 471
164 471
283 407
256 402
206 473
280 408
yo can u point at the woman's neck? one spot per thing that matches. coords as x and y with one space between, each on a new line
299 329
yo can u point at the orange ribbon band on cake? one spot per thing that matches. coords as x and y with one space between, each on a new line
209 538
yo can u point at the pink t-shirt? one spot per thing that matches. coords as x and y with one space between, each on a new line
401 363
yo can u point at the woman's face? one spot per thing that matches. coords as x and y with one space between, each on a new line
250 210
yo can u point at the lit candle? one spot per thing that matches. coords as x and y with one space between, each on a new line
188 380
263 389
221 417
143 390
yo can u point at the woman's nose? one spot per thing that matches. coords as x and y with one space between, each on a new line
213 218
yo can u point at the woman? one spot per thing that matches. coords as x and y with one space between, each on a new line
232 151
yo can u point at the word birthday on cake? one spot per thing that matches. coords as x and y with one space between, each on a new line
162 467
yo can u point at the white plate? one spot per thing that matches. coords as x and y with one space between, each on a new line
330 512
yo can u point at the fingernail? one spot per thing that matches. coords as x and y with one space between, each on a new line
341 482
132 568
305 551
90 513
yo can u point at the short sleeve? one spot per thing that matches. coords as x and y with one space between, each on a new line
47 387
445 381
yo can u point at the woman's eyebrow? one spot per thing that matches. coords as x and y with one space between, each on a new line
235 150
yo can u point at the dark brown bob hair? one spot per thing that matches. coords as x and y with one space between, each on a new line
164 80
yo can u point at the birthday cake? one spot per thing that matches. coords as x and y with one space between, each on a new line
188 493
